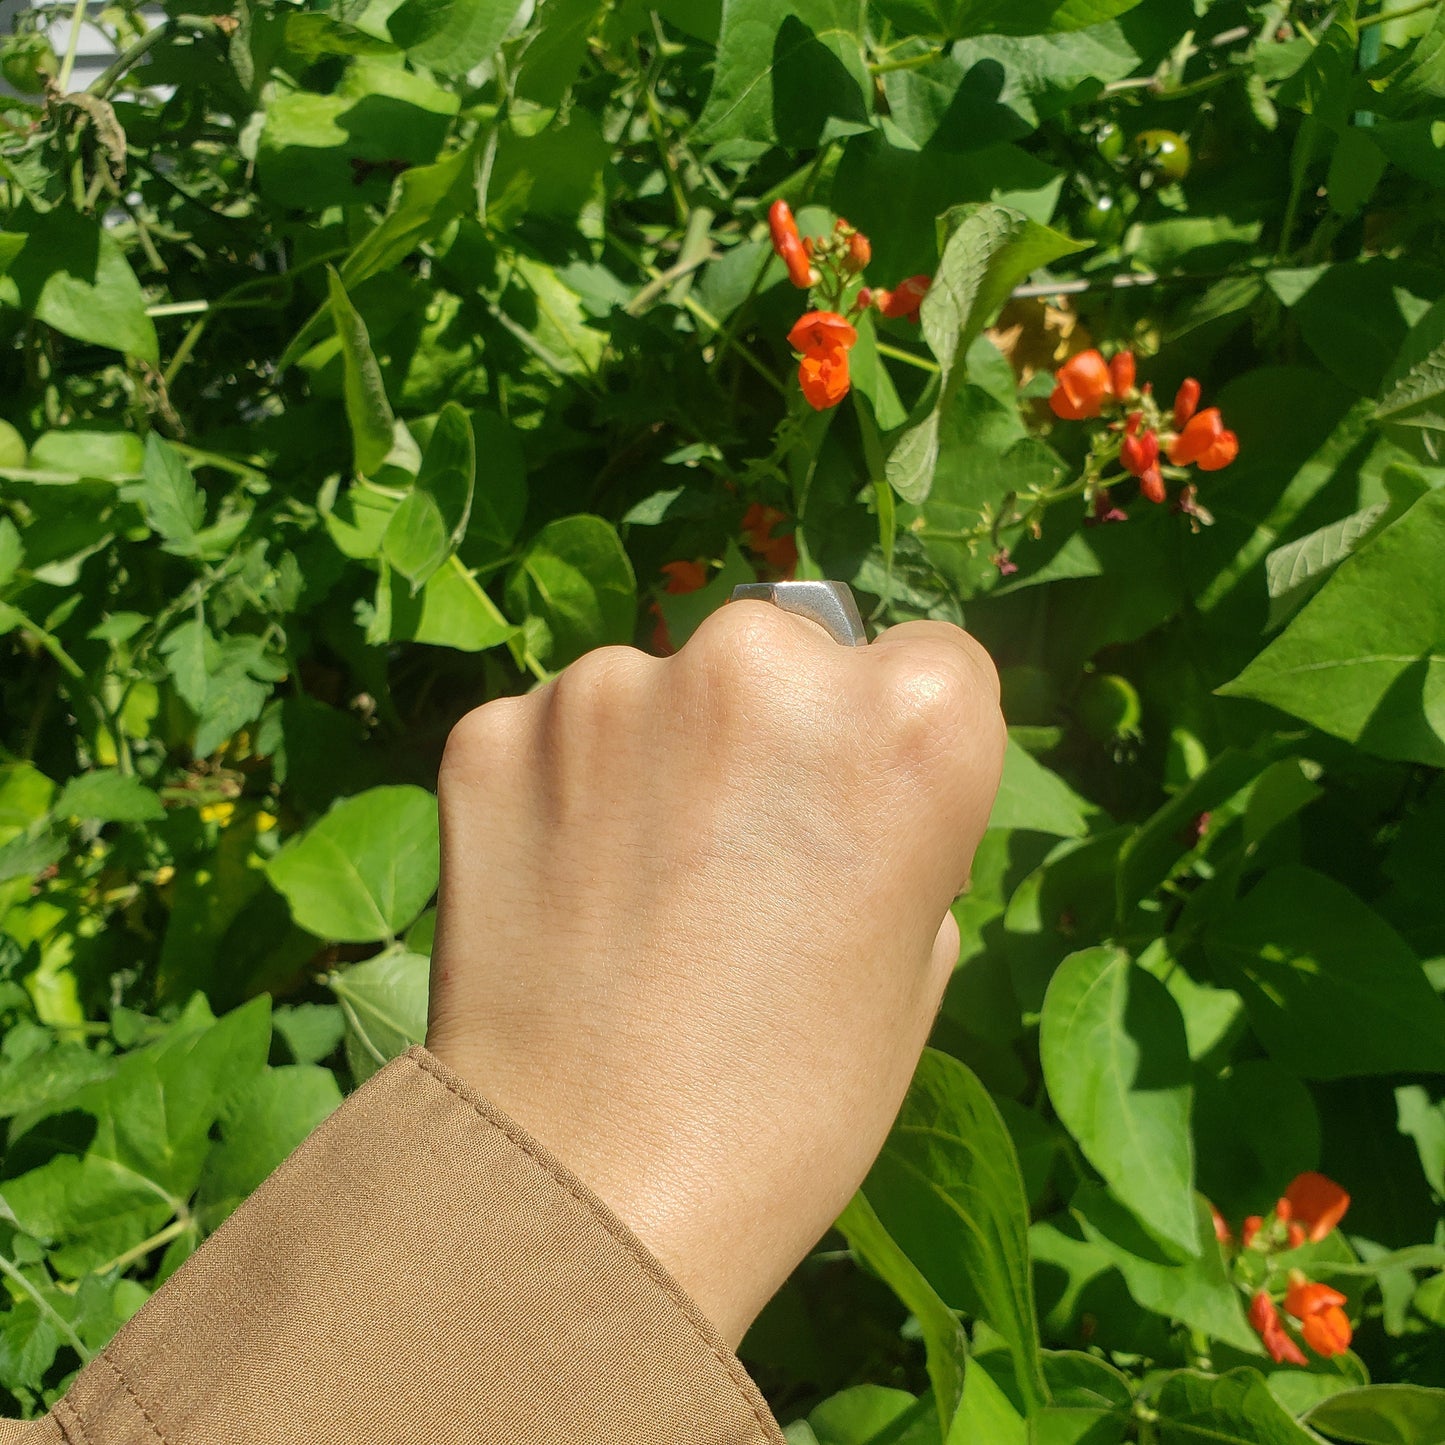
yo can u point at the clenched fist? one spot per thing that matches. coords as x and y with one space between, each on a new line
694 921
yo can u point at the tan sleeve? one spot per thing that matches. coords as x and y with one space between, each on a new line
420 1270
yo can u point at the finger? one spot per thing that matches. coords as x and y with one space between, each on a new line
925 643
749 625
943 959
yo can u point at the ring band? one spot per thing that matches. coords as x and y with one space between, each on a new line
829 604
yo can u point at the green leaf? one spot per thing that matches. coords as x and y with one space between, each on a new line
347 148
1232 1409
311 1031
1116 1063
944 1338
556 51
1256 1128
986 1413
1417 84
113 455
110 797
259 1128
947 1187
431 521
385 1003
788 71
1331 989
452 611
184 648
1156 847
364 870
989 253
1413 391
1423 1120
1365 658
575 580
367 409
451 37
73 275
102 1191
1199 1292
1383 1415
1296 571
167 495
427 197
955 19
872 1415
499 502
1035 800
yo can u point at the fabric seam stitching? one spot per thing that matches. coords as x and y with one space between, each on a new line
134 1398
671 1290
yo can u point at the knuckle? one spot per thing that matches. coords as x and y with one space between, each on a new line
597 699
942 709
740 650
598 678
478 735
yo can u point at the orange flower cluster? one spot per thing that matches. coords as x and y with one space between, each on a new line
825 336
1086 385
1306 1213
780 553
759 523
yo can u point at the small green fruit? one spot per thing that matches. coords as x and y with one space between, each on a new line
27 62
1104 220
1166 150
1107 708
1109 141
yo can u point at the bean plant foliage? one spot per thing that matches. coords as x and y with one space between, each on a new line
367 360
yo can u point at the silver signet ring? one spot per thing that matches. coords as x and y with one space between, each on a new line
829 604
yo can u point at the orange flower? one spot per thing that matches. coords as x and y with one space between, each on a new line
1251 1227
684 577
1205 441
825 339
1081 386
789 245
1138 453
1317 1203
816 333
1317 1307
1265 1319
1151 484
1121 373
824 379
780 553
1186 402
904 299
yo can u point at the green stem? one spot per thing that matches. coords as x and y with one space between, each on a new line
13 1274
700 312
923 363
173 1230
1400 14
77 20
80 688
909 62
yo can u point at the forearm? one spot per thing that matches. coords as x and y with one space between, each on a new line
420 1269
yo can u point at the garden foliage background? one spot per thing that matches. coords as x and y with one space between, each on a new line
365 361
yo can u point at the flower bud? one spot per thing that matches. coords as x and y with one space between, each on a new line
1186 401
1121 374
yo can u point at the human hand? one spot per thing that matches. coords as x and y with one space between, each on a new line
694 921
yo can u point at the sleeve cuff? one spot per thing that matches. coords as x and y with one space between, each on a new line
421 1269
